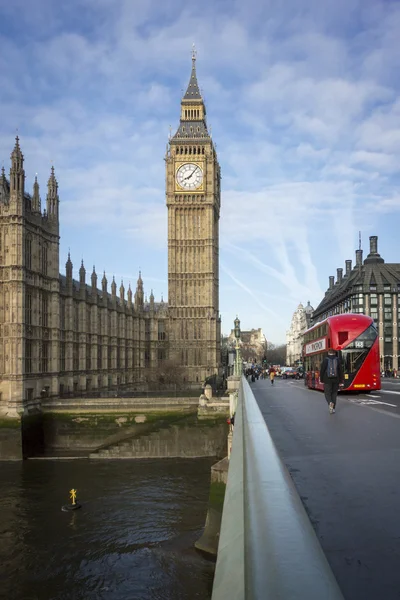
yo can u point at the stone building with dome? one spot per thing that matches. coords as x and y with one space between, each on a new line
301 321
371 287
65 336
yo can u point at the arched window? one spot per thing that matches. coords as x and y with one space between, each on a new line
194 150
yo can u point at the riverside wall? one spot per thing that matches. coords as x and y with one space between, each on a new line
114 428
10 439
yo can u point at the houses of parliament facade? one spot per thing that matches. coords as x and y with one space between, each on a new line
61 336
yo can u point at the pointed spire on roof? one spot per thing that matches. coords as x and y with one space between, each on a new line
113 287
3 182
94 278
52 183
82 273
16 153
68 266
36 197
140 282
193 90
104 283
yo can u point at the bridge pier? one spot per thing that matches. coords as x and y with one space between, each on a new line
208 543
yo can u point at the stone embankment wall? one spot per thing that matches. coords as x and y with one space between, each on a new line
183 440
133 435
79 426
10 439
109 405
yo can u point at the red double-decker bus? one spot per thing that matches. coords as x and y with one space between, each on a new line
355 338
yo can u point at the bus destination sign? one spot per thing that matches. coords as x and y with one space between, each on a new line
316 346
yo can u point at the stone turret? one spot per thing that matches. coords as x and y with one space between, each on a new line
36 202
152 301
68 273
52 197
82 280
129 297
94 280
113 290
17 177
139 294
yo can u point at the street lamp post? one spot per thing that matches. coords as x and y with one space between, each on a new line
238 366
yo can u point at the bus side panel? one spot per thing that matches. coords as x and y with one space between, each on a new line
312 379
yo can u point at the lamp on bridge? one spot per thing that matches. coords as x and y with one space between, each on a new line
238 366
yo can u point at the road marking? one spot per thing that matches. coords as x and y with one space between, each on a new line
372 396
389 392
367 401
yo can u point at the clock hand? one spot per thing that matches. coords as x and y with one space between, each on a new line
191 174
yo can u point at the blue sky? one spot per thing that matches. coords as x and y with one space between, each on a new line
303 101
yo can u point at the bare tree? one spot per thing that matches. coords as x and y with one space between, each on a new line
170 372
276 355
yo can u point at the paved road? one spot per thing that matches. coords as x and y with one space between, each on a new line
346 468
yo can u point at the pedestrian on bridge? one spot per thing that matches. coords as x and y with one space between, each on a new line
272 375
331 375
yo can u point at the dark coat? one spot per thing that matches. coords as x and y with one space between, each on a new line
323 375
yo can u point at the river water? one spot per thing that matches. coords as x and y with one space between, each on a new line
132 539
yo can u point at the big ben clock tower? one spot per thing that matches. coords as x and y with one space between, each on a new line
193 200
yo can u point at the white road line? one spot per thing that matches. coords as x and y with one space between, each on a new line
372 396
389 392
373 402
380 402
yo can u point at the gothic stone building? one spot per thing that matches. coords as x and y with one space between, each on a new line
301 321
61 336
372 287
252 343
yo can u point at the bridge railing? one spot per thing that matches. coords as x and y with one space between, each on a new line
267 549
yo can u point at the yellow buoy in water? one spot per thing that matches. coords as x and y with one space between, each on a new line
74 504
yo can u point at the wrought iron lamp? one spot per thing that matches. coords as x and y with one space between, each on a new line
238 366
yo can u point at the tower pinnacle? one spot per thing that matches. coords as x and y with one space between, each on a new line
36 204
193 90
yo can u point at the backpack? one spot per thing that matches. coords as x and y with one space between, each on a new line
332 367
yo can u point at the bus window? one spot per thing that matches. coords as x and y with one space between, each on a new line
343 337
354 355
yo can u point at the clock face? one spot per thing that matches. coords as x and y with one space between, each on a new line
189 176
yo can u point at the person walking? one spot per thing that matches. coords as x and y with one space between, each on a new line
331 375
272 375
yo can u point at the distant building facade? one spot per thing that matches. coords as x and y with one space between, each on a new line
61 336
371 287
301 321
253 344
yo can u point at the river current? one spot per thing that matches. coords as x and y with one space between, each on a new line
131 540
